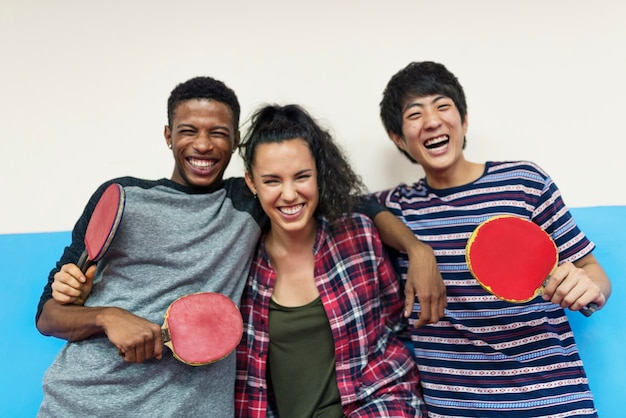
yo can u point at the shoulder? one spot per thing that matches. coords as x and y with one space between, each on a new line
355 226
352 235
529 167
237 191
128 182
401 191
237 185
509 173
243 199
360 221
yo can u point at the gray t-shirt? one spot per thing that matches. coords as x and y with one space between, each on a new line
171 241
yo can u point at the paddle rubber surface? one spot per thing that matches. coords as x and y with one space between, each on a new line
104 221
511 257
203 327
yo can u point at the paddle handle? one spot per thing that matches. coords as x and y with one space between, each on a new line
165 334
84 262
167 338
589 309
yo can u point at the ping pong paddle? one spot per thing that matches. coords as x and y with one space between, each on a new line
513 258
102 226
202 328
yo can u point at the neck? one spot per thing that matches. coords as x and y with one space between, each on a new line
279 240
460 174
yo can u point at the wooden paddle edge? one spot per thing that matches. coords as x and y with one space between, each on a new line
168 342
118 219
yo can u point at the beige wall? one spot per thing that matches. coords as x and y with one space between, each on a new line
83 86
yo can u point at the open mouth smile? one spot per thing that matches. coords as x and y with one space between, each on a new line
291 210
201 164
437 142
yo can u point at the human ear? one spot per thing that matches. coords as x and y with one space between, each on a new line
237 140
398 140
167 134
249 182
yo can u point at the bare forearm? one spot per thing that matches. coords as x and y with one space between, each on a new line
70 322
423 277
396 234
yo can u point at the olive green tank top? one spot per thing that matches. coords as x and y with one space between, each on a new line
302 361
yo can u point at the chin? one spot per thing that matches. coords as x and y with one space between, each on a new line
203 182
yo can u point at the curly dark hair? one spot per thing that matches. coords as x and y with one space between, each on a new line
339 186
203 88
418 79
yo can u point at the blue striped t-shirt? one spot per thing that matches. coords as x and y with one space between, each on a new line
488 357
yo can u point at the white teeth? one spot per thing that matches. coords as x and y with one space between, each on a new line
291 210
201 163
431 143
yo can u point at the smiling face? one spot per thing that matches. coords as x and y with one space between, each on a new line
284 178
202 138
433 134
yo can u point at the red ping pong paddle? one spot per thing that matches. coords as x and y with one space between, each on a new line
512 258
202 328
102 226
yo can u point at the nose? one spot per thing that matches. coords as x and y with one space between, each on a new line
431 120
289 192
203 142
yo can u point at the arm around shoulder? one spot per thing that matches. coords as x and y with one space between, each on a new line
423 277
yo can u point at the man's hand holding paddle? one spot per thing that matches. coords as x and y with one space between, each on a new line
571 286
199 328
71 285
136 338
515 260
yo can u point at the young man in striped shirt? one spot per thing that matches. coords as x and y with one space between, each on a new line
486 357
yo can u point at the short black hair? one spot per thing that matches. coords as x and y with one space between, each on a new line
418 79
203 88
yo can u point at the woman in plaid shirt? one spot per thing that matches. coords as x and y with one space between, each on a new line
322 301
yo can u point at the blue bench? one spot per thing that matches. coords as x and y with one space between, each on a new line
25 260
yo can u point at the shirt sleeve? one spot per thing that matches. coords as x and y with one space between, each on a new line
71 253
369 206
553 215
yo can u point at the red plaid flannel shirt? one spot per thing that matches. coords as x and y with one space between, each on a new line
360 292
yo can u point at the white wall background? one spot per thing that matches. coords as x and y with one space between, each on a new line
84 84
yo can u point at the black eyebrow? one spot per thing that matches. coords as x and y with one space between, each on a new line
418 104
298 173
